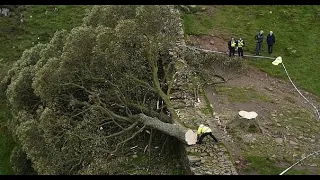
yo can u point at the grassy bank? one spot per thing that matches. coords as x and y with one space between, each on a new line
6 143
296 29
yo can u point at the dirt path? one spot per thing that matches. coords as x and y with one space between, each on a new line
288 122
278 90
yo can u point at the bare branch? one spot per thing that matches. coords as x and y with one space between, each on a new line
107 137
128 139
106 110
79 86
80 161
170 65
157 85
150 112
150 141
143 83
121 132
164 143
171 83
115 122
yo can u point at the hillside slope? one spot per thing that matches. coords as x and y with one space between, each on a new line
296 29
288 126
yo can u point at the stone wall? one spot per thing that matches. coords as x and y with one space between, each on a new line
208 158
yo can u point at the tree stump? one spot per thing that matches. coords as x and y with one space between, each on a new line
246 121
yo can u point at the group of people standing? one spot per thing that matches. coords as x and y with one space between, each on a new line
234 45
271 39
238 45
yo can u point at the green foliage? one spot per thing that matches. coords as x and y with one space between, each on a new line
21 165
15 38
109 15
63 93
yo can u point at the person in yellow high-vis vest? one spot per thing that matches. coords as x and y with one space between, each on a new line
204 131
232 47
240 45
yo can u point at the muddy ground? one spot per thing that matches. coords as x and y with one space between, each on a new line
288 123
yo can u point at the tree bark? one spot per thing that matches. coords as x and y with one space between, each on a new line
183 134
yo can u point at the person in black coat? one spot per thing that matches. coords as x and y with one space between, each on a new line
259 39
271 39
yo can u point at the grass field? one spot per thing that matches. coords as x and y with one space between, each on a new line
296 29
16 37
6 143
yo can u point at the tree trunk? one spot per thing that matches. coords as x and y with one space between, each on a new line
185 135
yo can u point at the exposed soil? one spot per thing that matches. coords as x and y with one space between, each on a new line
210 42
277 117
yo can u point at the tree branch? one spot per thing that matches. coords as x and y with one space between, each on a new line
143 83
171 84
128 139
176 130
121 132
158 87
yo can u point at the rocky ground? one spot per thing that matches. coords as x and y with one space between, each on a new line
289 129
208 158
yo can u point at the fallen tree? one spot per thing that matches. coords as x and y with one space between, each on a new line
87 92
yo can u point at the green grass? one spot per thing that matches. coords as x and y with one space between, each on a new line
6 144
260 153
197 24
263 166
243 95
16 37
296 29
198 154
208 108
300 120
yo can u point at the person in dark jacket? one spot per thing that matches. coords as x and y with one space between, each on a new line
232 47
259 39
240 44
271 39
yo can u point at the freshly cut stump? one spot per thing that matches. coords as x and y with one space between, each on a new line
246 121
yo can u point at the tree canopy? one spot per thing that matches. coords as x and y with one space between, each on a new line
78 98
